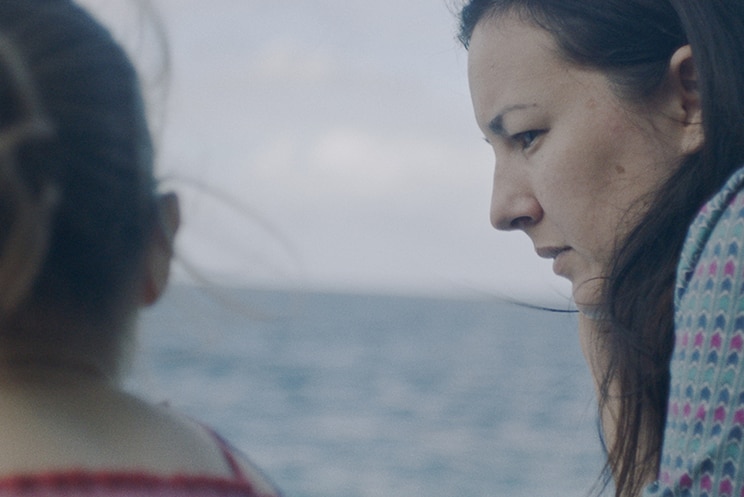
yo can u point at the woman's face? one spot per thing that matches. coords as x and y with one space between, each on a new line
575 164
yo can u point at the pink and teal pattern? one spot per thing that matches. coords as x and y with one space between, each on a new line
703 453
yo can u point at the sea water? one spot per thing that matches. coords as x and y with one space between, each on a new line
336 395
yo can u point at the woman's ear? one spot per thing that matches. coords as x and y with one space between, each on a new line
684 83
160 251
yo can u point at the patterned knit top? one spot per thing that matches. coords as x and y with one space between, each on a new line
703 452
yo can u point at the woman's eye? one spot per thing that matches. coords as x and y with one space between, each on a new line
526 138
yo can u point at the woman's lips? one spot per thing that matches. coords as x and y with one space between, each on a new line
559 265
557 254
550 252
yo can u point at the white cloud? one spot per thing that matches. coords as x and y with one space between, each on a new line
363 163
286 60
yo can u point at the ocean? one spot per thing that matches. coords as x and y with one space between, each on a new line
350 395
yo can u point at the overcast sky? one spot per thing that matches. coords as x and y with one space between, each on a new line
344 130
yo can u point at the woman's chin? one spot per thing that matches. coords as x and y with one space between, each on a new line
586 296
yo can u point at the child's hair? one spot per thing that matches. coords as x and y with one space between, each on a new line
77 194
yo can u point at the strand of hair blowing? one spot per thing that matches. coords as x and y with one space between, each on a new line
641 284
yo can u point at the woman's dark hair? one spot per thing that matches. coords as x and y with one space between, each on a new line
632 41
77 186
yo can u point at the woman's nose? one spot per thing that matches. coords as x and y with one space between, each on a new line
513 203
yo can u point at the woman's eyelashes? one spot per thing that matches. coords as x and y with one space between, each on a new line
523 140
526 139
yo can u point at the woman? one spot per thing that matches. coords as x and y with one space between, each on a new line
85 241
613 122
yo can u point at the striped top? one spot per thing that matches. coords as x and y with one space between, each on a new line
139 484
101 484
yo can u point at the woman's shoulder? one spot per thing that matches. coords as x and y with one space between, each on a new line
716 233
706 383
